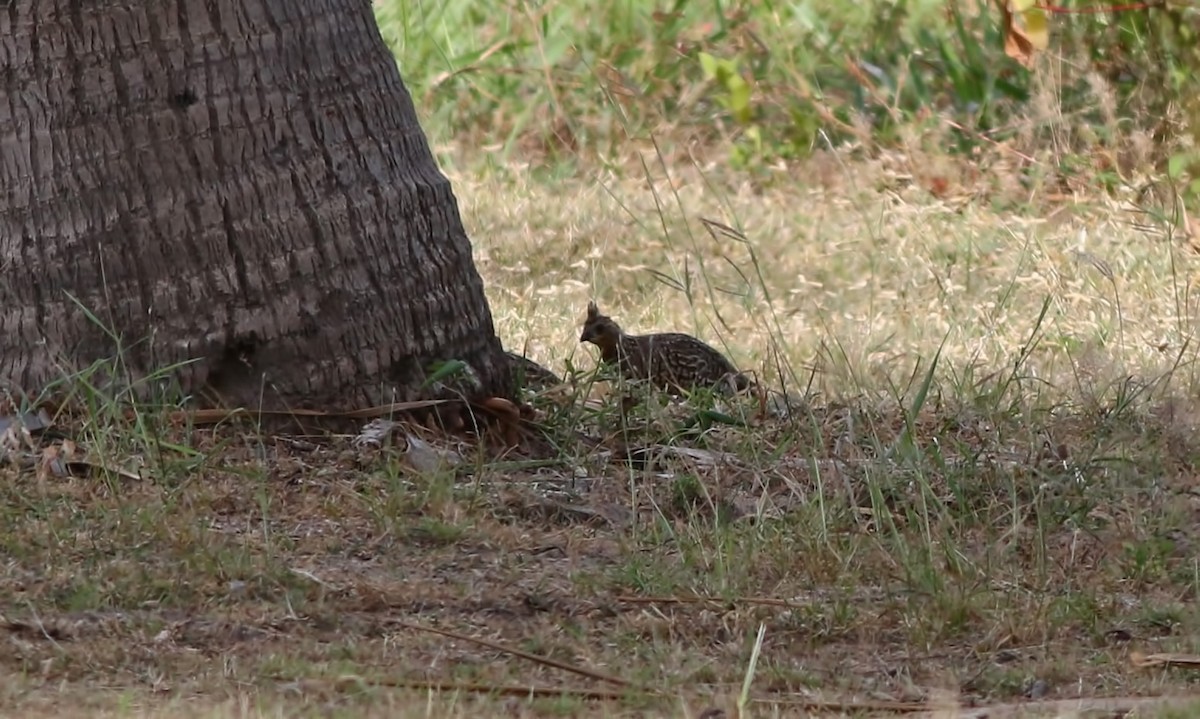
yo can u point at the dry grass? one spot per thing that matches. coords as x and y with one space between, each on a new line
855 272
1009 524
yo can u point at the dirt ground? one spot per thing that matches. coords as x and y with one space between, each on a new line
233 574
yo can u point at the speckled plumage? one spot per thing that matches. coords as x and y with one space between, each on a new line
670 360
529 374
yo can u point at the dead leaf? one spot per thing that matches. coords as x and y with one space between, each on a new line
33 422
939 186
84 467
1022 40
502 407
50 464
509 416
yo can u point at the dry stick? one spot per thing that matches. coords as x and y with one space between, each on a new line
812 704
1166 659
610 694
473 688
698 599
213 416
507 689
998 145
516 653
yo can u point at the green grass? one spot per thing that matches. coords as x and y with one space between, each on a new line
764 85
982 490
536 82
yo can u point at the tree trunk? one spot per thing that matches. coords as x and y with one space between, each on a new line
232 194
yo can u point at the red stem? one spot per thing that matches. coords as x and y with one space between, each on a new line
1094 10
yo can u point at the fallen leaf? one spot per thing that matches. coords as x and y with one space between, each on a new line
50 464
1023 43
33 422
86 466
509 416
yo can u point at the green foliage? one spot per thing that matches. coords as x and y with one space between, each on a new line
1151 58
955 69
762 78
733 95
736 97
1180 30
761 82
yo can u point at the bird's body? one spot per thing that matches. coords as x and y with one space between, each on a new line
529 374
670 360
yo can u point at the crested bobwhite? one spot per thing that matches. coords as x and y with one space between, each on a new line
670 360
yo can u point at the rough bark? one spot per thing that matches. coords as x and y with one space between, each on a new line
240 185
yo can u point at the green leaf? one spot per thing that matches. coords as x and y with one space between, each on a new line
708 64
1037 27
1177 164
442 370
918 401
739 99
754 135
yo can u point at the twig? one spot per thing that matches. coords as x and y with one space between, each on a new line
214 416
472 688
998 145
1060 10
516 653
700 599
42 628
